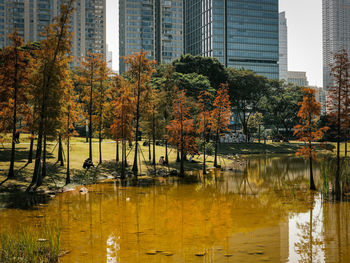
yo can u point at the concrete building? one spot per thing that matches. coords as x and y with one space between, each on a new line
298 78
283 47
30 17
321 97
109 58
336 32
241 34
155 26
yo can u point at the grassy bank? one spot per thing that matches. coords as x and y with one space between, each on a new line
30 245
79 152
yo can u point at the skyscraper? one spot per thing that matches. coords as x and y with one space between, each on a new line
30 17
155 26
298 78
283 47
336 32
241 34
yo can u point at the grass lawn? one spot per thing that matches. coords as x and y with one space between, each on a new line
79 152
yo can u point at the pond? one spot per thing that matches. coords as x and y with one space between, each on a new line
260 211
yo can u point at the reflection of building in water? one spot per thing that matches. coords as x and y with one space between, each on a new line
336 223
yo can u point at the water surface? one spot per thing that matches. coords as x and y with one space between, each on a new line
260 211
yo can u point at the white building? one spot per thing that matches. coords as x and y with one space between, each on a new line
283 47
298 78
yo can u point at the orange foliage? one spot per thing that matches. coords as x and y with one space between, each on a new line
307 131
181 127
122 109
220 115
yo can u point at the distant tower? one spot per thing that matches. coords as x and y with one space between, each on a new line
30 17
283 47
336 32
240 34
109 58
155 26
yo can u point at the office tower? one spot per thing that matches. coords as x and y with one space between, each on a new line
336 32
154 26
109 58
320 97
241 34
298 78
30 17
283 47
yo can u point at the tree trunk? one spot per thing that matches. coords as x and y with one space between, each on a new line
90 122
60 150
149 150
122 176
11 173
135 168
312 183
178 156
43 171
204 155
154 140
30 156
337 176
100 145
68 171
117 151
166 152
216 149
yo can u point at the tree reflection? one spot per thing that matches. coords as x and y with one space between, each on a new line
310 241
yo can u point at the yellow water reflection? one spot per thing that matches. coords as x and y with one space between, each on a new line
260 213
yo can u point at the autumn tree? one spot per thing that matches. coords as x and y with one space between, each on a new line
165 86
181 128
90 75
220 116
71 111
140 70
123 107
100 96
13 84
204 120
337 105
51 62
307 130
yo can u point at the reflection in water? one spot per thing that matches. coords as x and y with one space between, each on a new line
260 213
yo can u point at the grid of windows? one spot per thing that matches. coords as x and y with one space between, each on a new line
30 17
240 33
155 26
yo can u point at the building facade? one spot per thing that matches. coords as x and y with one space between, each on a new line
241 34
298 78
336 33
30 17
283 47
321 97
154 26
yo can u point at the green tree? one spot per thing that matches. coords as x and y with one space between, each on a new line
205 66
246 90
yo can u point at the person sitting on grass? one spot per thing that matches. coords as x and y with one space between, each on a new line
191 159
88 163
162 161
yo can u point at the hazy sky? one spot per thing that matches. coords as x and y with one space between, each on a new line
304 20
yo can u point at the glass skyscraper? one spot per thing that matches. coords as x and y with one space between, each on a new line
155 26
336 33
30 17
240 33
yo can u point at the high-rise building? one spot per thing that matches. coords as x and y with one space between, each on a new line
241 34
298 78
109 58
336 33
283 47
155 26
30 17
321 97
